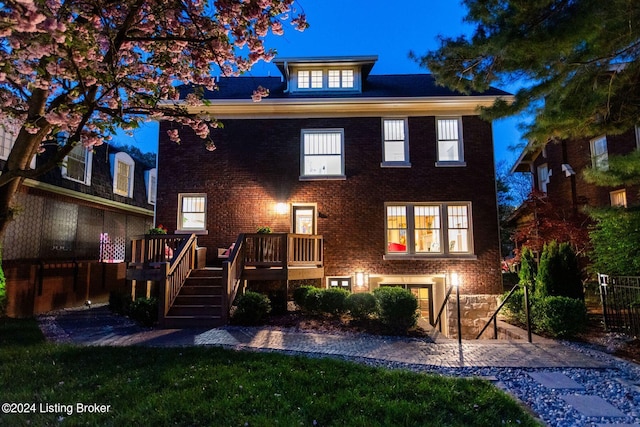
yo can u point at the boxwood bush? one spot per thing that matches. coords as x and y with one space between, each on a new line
252 308
333 301
144 311
300 295
361 306
397 308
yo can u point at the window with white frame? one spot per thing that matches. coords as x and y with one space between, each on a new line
77 165
310 79
192 212
450 147
618 198
395 142
599 153
429 228
340 79
543 177
8 134
151 181
322 154
122 170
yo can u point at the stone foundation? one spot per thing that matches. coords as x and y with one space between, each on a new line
472 309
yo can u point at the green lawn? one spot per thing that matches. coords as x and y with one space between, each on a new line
216 387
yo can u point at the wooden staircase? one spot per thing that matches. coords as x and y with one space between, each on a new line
199 302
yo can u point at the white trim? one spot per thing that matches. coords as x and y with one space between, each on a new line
151 176
180 229
344 107
303 175
31 183
88 166
124 158
459 162
405 163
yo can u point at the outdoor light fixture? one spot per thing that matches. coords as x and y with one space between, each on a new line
362 279
282 208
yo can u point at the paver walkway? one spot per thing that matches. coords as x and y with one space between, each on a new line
536 365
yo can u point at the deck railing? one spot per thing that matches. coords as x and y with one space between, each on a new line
282 250
155 248
232 272
177 271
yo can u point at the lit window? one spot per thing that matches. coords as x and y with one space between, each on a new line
77 165
618 198
192 213
310 79
303 79
599 154
340 79
395 141
450 150
122 168
543 177
151 180
322 153
419 229
316 79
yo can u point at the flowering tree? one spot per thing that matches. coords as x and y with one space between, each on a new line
83 68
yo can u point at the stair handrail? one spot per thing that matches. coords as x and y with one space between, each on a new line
232 273
438 321
494 316
177 271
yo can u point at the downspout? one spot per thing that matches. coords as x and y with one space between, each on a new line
574 191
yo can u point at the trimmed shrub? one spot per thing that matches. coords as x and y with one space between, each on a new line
144 311
528 268
560 316
300 295
252 309
559 273
361 306
333 301
397 308
312 301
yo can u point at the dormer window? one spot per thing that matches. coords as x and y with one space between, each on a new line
122 169
310 79
77 165
341 79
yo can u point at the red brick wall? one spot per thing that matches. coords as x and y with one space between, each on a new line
577 153
257 163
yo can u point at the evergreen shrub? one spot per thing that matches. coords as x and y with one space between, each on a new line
397 308
252 309
333 301
361 306
560 316
144 311
559 273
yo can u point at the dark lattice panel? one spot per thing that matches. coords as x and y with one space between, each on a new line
24 233
88 232
59 230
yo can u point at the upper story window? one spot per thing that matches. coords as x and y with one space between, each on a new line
151 182
192 212
450 146
322 154
326 78
599 154
429 228
77 165
395 142
543 177
122 170
340 79
618 198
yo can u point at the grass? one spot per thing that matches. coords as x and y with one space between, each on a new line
211 386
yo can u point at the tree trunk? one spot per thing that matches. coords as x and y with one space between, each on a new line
7 209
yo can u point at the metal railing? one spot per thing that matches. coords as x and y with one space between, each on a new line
620 297
494 316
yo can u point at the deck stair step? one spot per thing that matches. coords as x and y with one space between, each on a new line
199 303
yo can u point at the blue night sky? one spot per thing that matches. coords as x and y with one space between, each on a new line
370 27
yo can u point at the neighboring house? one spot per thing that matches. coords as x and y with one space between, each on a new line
394 174
69 239
557 170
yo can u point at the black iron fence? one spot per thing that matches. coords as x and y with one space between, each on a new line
621 303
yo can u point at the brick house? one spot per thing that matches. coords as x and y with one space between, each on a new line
69 240
395 174
557 170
